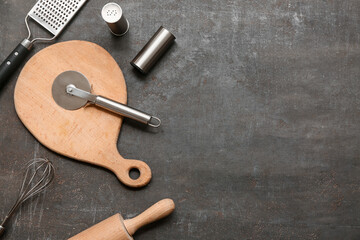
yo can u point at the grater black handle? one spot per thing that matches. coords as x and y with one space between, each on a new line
12 62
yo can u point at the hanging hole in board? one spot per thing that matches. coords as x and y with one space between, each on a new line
134 173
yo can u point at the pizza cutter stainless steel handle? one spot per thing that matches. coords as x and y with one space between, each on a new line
114 106
71 90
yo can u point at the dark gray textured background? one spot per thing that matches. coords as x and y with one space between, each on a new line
260 102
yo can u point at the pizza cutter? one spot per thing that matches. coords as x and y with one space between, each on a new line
71 90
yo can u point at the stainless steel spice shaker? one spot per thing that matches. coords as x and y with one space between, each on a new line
115 19
153 50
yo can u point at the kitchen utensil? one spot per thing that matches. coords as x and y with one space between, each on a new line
115 228
88 134
153 50
53 15
38 176
71 91
115 19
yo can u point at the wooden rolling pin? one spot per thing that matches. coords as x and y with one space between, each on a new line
116 228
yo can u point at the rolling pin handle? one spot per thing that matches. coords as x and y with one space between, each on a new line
114 228
156 212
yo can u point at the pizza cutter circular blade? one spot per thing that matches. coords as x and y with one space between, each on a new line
62 98
71 90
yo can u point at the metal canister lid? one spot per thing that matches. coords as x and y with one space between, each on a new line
153 50
115 19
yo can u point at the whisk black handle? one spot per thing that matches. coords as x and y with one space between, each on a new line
13 61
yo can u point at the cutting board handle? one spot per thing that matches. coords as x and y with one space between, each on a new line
123 172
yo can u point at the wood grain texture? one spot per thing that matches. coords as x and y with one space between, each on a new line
111 228
115 228
260 138
88 134
154 213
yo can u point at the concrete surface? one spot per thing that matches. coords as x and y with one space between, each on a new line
260 102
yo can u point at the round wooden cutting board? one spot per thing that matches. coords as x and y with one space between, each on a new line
89 134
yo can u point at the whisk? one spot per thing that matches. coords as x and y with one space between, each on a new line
38 176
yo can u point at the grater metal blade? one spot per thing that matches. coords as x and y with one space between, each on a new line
54 15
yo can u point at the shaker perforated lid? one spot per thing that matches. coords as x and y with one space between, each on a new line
114 17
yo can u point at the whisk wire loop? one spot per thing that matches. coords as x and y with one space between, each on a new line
38 176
